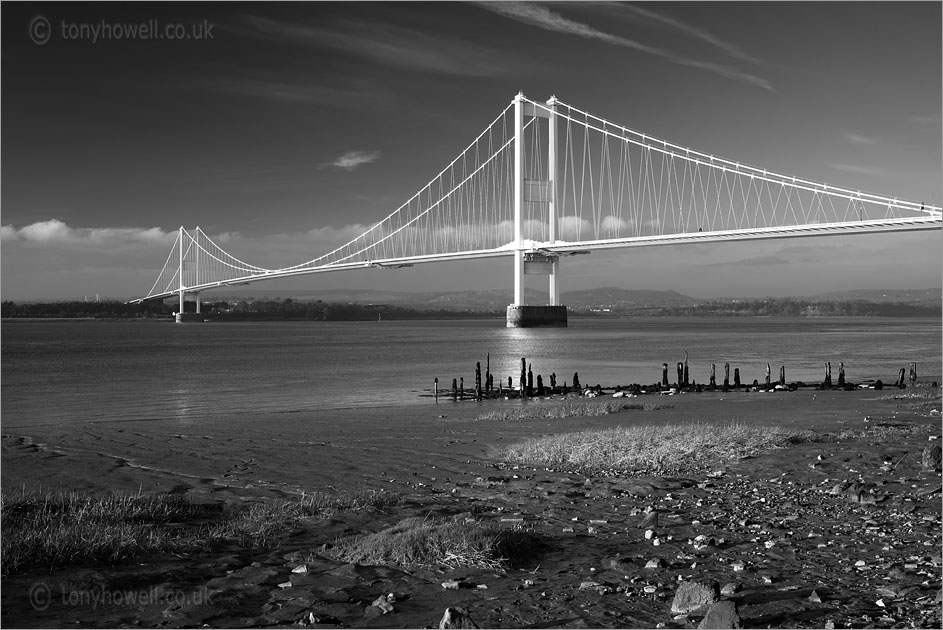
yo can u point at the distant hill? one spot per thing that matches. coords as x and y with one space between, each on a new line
923 297
603 297
614 296
472 300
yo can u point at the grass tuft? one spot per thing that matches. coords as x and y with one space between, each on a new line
59 528
567 409
650 450
434 542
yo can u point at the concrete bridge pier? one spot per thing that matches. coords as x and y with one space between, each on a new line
538 192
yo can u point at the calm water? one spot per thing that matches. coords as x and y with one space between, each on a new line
68 372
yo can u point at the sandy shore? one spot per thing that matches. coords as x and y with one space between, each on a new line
775 513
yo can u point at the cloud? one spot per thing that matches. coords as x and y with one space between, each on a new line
929 119
858 169
537 15
288 92
352 159
387 45
756 261
855 138
55 231
695 32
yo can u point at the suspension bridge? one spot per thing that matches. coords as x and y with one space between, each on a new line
546 180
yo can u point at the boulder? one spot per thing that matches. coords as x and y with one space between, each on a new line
931 457
693 595
455 617
721 615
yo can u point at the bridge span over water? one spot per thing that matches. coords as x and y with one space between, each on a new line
546 180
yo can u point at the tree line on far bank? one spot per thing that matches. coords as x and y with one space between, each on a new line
276 309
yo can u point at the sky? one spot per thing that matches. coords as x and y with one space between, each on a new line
284 130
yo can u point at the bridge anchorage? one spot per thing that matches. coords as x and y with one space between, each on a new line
545 181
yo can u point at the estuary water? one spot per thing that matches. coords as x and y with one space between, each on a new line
87 371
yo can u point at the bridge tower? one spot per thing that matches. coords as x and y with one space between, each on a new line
527 258
183 263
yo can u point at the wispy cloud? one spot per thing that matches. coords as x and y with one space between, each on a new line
858 169
855 138
352 159
289 92
388 45
693 31
927 119
756 261
540 16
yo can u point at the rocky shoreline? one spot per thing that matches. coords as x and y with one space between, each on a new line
843 534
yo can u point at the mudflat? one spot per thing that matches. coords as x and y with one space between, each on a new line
844 532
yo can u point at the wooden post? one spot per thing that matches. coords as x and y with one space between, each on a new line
530 382
461 387
523 375
478 379
686 375
782 375
454 389
736 378
713 381
767 375
488 373
900 379
913 372
841 374
576 382
680 369
726 377
664 375
436 389
540 385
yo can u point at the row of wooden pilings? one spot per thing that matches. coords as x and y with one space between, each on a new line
485 388
526 385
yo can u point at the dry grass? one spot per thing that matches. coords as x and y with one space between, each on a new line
435 542
567 409
59 528
650 450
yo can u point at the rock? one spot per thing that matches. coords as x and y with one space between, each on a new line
650 520
656 563
815 597
931 457
730 588
456 618
451 585
721 615
383 604
693 595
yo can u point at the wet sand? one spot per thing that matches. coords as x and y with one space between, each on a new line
775 513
